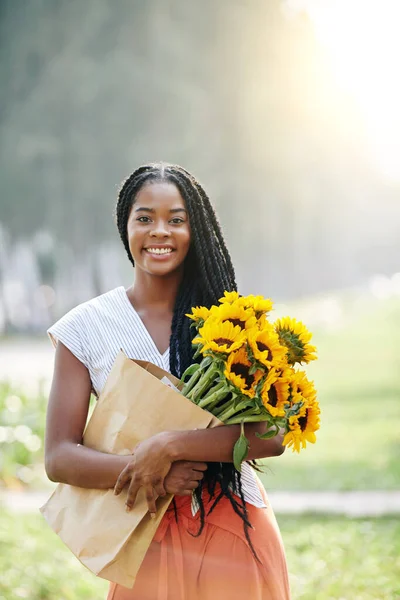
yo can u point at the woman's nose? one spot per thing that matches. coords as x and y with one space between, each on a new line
160 229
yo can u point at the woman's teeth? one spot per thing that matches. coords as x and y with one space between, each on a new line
159 250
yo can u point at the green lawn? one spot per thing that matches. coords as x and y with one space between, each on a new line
329 558
358 381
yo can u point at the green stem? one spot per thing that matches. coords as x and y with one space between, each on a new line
219 386
249 419
192 382
202 386
247 413
218 411
213 399
230 411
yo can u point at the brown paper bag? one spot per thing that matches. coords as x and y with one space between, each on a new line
133 406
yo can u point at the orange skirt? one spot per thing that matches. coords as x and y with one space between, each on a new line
217 564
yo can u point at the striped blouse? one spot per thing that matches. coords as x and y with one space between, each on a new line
97 330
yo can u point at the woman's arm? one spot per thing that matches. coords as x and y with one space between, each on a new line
216 444
209 445
66 460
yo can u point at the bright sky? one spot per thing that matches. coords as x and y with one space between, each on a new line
362 40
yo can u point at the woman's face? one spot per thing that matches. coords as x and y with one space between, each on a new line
158 229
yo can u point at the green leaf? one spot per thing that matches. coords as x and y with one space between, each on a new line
190 371
198 351
268 434
206 362
253 369
241 449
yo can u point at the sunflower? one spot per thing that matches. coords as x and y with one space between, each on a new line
302 427
229 298
259 304
220 337
275 394
199 314
238 372
295 336
266 347
301 388
234 313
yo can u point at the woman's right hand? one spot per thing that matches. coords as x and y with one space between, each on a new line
183 477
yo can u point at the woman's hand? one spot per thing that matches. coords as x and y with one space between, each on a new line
184 477
148 468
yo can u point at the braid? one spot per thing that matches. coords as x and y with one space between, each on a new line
208 273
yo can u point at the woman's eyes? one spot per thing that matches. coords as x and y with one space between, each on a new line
175 220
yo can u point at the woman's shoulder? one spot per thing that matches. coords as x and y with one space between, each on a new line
89 312
77 328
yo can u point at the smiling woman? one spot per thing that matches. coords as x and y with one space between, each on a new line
172 237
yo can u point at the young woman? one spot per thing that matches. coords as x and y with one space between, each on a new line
232 546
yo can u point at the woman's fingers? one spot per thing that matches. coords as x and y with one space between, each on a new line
123 479
151 501
159 488
132 493
197 475
197 466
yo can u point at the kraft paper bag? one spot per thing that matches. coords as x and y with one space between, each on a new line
133 406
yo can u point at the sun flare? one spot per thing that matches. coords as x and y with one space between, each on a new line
363 46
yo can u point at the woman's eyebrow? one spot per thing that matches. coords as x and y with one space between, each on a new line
144 208
176 210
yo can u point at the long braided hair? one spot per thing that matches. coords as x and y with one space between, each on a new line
208 272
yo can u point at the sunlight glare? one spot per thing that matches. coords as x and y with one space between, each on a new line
363 45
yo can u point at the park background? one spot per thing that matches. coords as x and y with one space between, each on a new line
287 112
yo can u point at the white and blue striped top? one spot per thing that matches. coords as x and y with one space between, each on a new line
97 330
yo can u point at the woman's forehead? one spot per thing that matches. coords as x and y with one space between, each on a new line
160 193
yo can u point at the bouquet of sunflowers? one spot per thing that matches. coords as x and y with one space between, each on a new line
248 371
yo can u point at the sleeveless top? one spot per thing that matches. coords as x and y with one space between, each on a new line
95 332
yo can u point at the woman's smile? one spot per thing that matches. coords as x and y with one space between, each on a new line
159 251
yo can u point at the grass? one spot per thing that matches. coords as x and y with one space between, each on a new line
328 558
342 559
358 381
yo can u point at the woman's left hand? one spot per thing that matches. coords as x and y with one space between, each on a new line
148 468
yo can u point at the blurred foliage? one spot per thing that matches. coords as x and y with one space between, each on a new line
237 92
328 558
22 423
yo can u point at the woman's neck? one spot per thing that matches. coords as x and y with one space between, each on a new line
156 292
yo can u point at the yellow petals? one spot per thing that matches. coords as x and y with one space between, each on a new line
238 372
258 304
275 395
302 427
266 347
229 297
295 336
234 313
220 337
199 313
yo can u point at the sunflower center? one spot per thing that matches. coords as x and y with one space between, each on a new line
238 322
243 372
303 421
223 342
262 348
272 396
